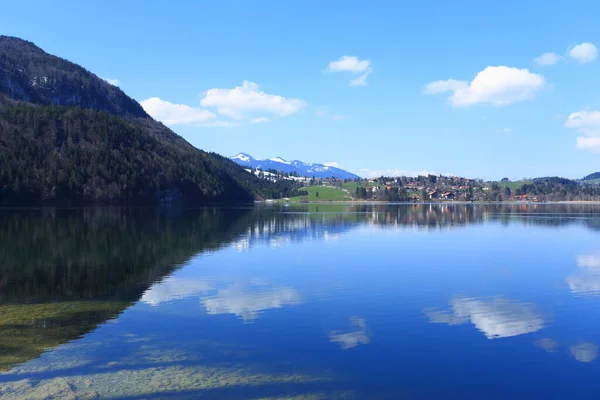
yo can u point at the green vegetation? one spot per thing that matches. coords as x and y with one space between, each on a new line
72 138
511 185
27 330
592 177
323 193
352 185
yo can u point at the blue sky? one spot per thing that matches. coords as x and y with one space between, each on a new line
443 87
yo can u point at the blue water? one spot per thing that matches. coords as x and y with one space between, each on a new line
315 301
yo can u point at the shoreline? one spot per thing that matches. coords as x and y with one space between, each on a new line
350 202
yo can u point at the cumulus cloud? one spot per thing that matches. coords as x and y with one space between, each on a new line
248 303
245 104
584 352
353 338
176 114
349 63
547 59
497 318
248 99
354 65
587 123
498 86
584 52
112 81
449 85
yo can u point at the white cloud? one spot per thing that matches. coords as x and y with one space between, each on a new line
499 86
176 114
449 85
112 81
506 130
588 143
360 81
497 318
584 352
333 164
338 117
172 288
354 338
588 123
547 59
244 104
350 64
248 304
247 100
584 52
354 65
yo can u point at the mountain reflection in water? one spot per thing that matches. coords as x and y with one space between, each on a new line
308 301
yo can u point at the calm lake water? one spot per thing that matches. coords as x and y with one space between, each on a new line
306 302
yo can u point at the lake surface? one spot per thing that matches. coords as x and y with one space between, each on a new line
303 302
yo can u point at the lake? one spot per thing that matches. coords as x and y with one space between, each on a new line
316 301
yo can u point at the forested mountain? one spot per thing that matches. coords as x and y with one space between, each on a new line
69 137
590 177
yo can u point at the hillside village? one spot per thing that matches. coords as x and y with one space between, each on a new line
441 188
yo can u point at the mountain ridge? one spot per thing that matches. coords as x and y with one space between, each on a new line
67 137
296 166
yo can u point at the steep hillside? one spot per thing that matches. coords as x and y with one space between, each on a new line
29 74
69 137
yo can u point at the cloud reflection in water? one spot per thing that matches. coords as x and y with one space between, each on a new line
584 352
497 318
172 288
354 338
248 302
587 279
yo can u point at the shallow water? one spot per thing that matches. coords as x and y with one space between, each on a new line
301 302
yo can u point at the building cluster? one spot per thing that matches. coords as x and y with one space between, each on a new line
425 188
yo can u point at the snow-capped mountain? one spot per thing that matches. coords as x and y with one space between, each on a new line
301 168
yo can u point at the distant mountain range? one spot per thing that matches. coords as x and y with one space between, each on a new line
299 167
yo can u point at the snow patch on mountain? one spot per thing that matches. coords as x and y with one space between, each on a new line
280 160
295 167
241 157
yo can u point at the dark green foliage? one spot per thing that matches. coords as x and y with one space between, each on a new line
595 175
261 188
298 192
69 137
55 154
